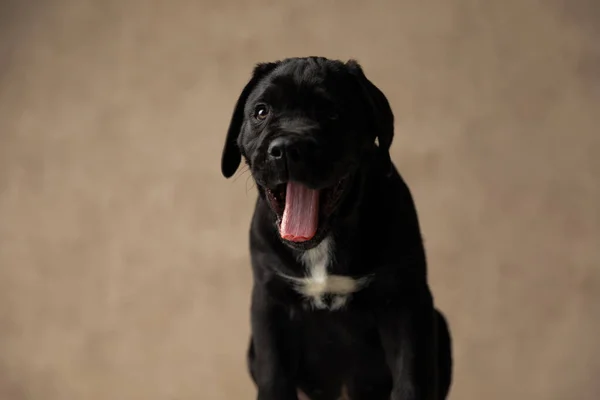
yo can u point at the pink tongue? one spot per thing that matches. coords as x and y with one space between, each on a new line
301 213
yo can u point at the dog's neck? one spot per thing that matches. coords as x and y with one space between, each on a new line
321 289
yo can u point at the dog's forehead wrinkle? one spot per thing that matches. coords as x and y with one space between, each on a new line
294 91
307 74
300 85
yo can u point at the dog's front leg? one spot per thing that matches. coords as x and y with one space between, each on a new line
408 337
274 358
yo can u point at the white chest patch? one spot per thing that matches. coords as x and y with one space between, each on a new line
325 291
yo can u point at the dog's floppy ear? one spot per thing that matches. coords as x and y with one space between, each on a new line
380 112
232 157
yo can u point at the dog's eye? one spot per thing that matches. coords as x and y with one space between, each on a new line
261 112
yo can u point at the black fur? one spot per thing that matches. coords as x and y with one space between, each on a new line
389 341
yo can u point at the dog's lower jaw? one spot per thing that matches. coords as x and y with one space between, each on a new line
343 394
272 395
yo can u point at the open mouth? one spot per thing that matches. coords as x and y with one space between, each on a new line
302 211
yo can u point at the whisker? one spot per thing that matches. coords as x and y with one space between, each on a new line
253 184
241 172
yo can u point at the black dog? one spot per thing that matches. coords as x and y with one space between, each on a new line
341 306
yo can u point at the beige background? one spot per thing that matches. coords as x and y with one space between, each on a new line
123 252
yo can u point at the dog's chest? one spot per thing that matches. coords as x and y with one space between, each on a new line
321 289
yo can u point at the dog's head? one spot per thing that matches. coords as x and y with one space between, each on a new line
305 126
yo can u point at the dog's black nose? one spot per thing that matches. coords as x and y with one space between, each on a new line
292 156
284 149
277 148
